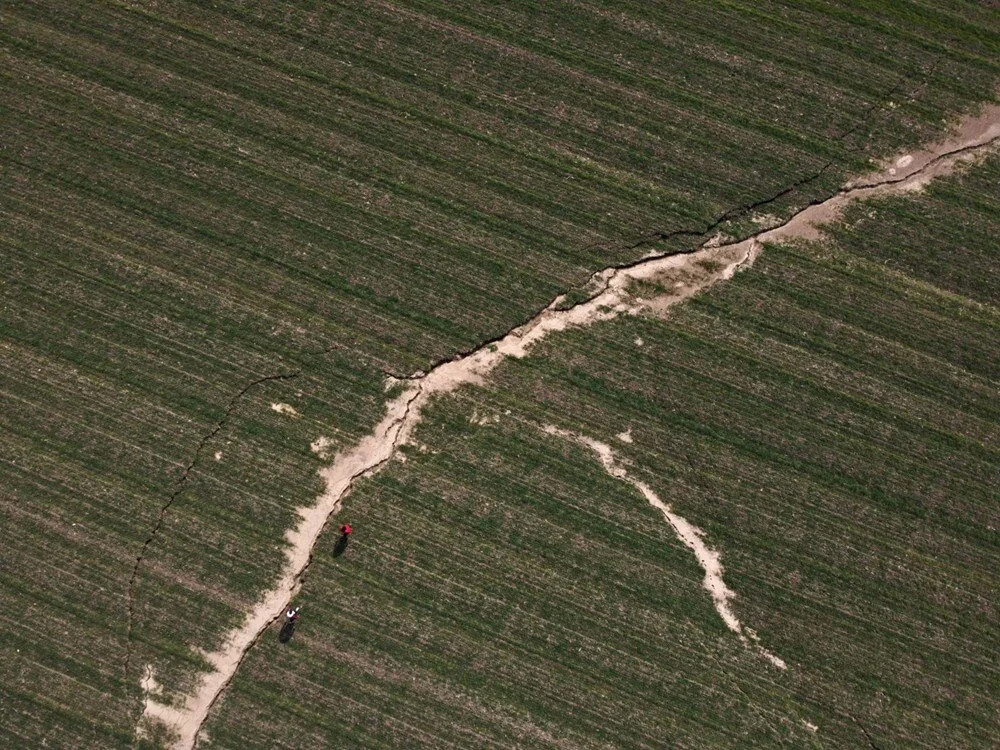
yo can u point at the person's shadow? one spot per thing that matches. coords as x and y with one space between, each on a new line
341 545
286 631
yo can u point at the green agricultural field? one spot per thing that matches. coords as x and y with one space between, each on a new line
829 420
222 228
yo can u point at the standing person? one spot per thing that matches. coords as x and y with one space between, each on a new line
341 545
288 628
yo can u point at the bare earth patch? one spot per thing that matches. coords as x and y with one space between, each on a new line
321 446
653 284
709 559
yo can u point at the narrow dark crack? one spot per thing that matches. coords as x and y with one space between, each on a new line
730 214
843 191
300 579
396 425
395 428
936 160
178 490
742 210
390 434
375 362
864 731
737 212
879 103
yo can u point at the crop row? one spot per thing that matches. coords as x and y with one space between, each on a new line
840 458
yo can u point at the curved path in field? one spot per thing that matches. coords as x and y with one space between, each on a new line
679 274
690 535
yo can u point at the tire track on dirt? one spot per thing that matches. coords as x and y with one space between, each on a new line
677 275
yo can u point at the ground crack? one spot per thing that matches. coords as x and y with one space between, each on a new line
740 211
300 579
846 191
403 413
658 236
178 490
868 737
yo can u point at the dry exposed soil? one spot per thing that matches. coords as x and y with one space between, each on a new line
652 284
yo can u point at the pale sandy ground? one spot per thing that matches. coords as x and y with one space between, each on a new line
677 277
693 538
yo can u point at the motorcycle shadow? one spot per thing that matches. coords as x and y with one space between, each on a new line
287 630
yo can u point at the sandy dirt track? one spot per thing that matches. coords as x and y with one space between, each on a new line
677 277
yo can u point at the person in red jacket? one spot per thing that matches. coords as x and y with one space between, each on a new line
345 535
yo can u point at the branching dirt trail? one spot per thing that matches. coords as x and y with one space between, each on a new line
709 559
618 290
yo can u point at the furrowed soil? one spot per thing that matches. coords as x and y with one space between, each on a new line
826 420
667 281
208 211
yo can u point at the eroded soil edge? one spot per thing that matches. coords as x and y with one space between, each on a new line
620 290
